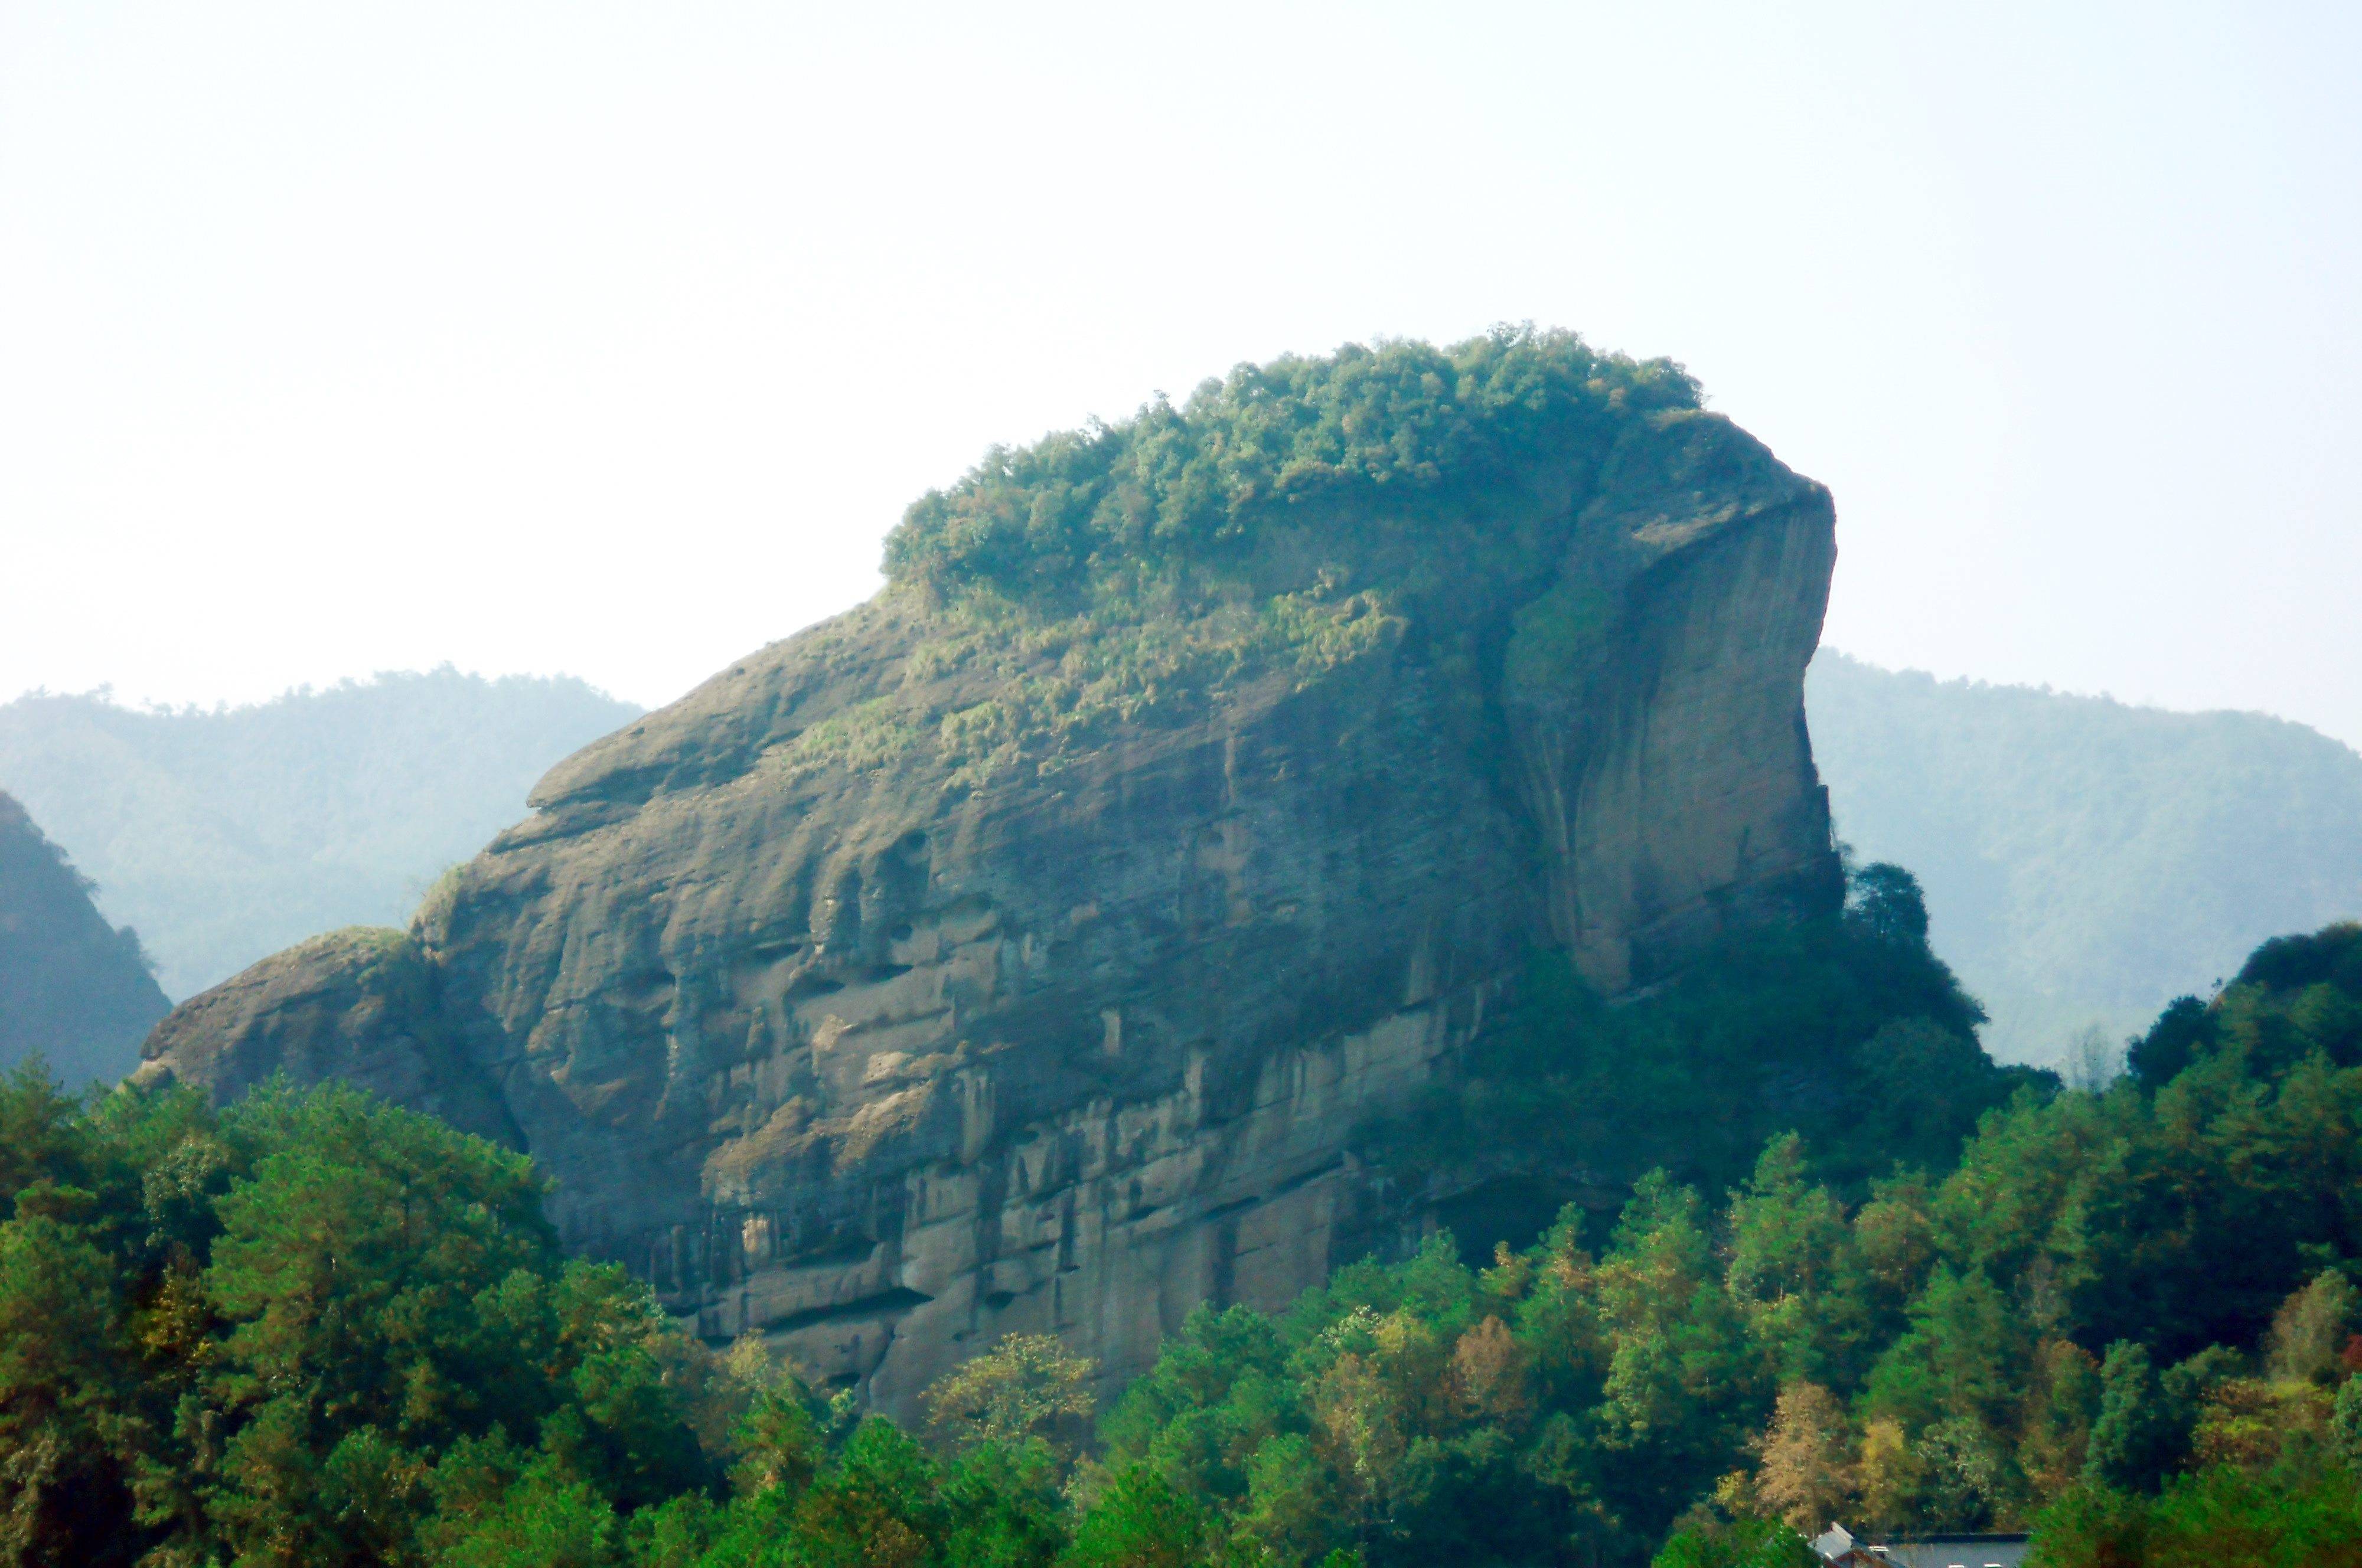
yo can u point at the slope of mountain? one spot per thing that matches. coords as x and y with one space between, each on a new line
223 835
72 986
2086 861
1022 950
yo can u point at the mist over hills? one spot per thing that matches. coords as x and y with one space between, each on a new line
2085 860
222 836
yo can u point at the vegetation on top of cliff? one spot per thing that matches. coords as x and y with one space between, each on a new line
1291 518
313 1330
1403 437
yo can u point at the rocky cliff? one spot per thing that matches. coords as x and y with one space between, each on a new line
1022 949
72 986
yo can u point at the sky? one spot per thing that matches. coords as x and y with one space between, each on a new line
610 340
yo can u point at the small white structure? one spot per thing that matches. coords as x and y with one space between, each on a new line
1839 1546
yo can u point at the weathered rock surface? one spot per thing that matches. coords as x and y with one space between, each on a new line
72 987
357 1004
880 1054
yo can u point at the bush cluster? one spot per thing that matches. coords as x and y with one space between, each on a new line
1354 443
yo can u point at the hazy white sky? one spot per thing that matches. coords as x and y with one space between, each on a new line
611 338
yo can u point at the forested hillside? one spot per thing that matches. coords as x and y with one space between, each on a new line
222 836
2084 861
315 1329
72 986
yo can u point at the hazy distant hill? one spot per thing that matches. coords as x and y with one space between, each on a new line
2086 861
224 836
72 986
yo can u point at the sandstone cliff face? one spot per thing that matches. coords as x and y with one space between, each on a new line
851 1040
359 1005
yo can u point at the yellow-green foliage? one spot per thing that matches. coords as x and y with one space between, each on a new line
1025 1387
866 735
1061 683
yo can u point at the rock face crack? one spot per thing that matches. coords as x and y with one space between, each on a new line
843 1032
884 1306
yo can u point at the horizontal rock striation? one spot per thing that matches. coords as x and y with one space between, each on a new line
853 1012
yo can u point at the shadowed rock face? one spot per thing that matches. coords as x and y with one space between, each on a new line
883 1054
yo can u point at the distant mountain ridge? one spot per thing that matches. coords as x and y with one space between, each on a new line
222 836
2085 860
72 987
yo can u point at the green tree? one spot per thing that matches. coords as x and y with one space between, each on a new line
1682 1389
2310 1332
1962 1356
63 1405
1006 1507
1138 1520
2141 1431
542 1520
1793 1271
880 1506
1750 1543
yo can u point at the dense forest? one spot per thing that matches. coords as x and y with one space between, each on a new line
2087 860
223 835
310 1329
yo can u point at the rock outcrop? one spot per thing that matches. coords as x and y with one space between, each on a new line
976 963
359 1005
72 987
